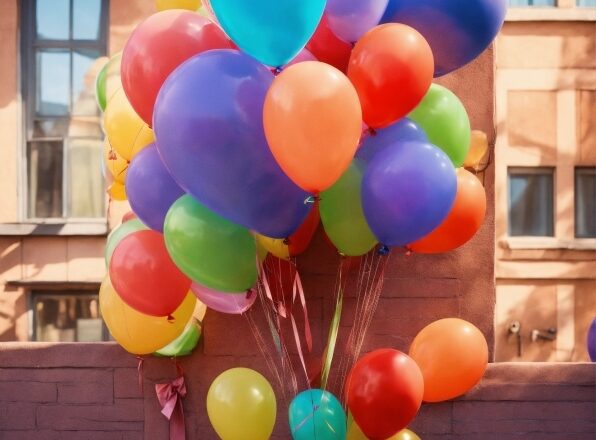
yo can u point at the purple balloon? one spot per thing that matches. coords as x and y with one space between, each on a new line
407 191
232 303
403 130
208 121
592 341
351 19
150 189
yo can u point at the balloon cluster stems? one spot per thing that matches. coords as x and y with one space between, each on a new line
312 199
278 70
384 250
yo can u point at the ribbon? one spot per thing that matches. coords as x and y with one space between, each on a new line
140 372
170 397
298 289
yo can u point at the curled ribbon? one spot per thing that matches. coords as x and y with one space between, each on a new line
170 397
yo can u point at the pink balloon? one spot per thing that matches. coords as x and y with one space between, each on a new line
303 55
232 303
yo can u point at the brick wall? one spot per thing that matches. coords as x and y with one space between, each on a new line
90 392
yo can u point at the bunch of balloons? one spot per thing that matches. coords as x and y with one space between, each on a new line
233 126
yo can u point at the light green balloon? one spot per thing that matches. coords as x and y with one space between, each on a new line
100 88
445 121
210 249
342 215
184 344
119 233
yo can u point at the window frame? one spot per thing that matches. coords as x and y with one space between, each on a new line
29 44
576 172
537 170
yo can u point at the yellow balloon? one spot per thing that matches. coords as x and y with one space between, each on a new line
139 333
117 191
478 149
113 81
127 132
241 405
116 164
275 246
354 433
191 5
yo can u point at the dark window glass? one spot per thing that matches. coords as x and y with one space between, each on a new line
531 202
67 317
44 161
585 202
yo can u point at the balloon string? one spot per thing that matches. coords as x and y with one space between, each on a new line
140 373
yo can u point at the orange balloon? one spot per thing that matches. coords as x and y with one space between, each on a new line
452 355
391 67
313 123
117 191
464 219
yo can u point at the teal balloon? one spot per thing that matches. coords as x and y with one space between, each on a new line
272 31
210 249
342 214
317 414
119 233
445 121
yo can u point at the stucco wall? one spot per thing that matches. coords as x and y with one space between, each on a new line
91 392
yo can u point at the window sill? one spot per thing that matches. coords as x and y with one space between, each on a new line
551 14
546 243
68 228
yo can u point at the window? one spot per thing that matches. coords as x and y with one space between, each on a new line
531 3
531 202
62 42
586 3
67 317
585 202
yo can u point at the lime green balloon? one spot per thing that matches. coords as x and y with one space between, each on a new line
210 249
100 88
444 119
184 344
342 215
119 233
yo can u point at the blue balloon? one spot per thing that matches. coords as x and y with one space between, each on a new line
403 130
272 31
150 188
457 30
351 19
208 122
407 191
592 341
317 414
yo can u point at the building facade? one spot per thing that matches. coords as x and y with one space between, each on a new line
53 210
545 181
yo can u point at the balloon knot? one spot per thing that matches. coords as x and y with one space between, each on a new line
171 319
287 241
409 251
311 199
371 131
384 250
277 70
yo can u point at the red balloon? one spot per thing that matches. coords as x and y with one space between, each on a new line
299 240
384 392
328 48
128 216
392 68
159 45
145 276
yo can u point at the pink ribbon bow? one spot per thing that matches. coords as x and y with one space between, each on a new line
170 397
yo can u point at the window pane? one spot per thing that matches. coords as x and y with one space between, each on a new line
84 71
53 17
67 317
585 202
86 19
55 127
85 184
586 3
44 161
53 82
531 2
531 202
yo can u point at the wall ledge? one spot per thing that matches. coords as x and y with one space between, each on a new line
83 228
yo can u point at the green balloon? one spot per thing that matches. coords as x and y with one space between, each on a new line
210 249
444 119
342 215
119 233
100 87
184 344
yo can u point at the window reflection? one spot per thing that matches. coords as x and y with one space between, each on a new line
53 17
86 19
531 202
53 82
